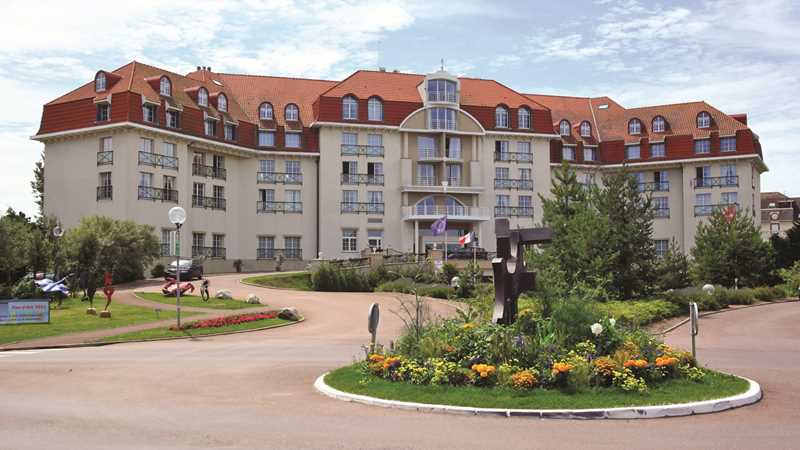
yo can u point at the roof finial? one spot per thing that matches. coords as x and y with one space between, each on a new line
442 67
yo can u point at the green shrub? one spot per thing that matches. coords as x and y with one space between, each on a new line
572 320
408 286
766 293
640 312
724 296
157 271
448 272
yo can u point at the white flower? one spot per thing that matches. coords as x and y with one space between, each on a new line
612 321
596 329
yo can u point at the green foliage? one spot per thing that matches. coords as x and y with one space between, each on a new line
767 293
37 185
16 237
448 272
157 271
26 288
672 270
409 286
725 251
640 312
333 278
791 276
468 280
787 248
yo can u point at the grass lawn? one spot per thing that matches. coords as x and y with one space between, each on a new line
715 385
196 301
166 332
72 318
300 281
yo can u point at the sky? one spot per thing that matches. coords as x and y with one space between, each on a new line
738 55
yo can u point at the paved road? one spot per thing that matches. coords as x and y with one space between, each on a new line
254 390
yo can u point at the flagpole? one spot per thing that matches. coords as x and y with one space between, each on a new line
444 186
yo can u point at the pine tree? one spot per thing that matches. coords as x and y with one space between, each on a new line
37 185
672 269
787 248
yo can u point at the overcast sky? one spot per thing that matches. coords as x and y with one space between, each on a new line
740 56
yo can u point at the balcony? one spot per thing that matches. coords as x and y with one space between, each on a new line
156 160
661 213
436 155
105 192
709 182
426 181
275 253
279 207
707 210
361 207
278 177
508 183
442 96
199 201
654 186
513 211
105 158
362 178
362 150
453 212
513 156
209 171
208 252
153 193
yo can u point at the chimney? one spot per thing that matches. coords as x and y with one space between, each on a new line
381 69
208 68
396 71
198 68
741 117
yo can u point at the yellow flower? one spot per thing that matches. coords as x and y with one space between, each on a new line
468 326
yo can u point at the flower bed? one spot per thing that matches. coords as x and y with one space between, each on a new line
225 321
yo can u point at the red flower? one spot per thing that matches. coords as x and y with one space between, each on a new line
217 322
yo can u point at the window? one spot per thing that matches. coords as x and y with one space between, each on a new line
702 199
375 239
202 97
659 125
218 162
453 145
658 150
661 247
524 148
525 174
349 108
568 153
222 103
198 242
266 139
525 203
661 180
501 173
291 245
564 128
167 242
169 149
426 147
106 144
586 129
266 165
146 145
267 196
210 127
349 240
265 111
727 144
374 145
293 173
374 197
100 82
661 206
375 109
633 152
590 153
425 176
173 119
524 118
442 119
728 174
291 112
501 151
149 112
702 146
374 168
145 179
441 91
165 87
292 140
198 192
217 245
502 200
454 174
169 182
230 132
292 196
104 189
501 117
103 111
634 126
266 247
703 120
775 228
730 198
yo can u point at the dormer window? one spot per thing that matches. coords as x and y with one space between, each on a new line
103 112
202 97
564 128
100 82
165 87
501 117
586 129
703 120
440 90
349 108
659 125
222 103
524 118
149 112
375 109
635 126
265 111
291 112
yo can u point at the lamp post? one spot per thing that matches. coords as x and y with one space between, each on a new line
444 187
57 233
177 216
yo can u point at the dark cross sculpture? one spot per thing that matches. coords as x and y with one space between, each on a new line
511 277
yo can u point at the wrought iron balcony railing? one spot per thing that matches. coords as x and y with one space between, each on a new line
208 252
708 182
513 211
156 160
105 158
427 181
274 253
279 177
707 210
361 207
154 193
513 156
426 211
105 192
199 201
654 186
279 207
362 178
209 171
442 96
508 183
362 150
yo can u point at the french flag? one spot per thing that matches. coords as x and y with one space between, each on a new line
467 238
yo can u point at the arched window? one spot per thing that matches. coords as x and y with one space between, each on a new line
453 207
440 90
426 206
501 117
375 109
100 82
165 87
586 129
703 120
349 108
291 112
265 111
222 103
564 128
202 97
524 118
659 125
634 126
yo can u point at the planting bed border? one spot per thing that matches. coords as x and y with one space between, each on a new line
752 395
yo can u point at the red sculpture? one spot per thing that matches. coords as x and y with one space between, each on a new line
171 288
108 290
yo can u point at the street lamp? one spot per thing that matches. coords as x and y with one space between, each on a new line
444 187
177 216
57 233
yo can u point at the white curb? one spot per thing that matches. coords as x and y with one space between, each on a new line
752 395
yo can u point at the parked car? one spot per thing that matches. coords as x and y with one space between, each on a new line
467 253
190 269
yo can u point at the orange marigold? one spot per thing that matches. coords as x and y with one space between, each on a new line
561 367
524 379
391 362
636 363
604 366
666 361
484 370
376 358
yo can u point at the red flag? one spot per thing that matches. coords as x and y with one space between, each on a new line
730 213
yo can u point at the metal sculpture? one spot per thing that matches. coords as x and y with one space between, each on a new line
108 290
204 290
511 277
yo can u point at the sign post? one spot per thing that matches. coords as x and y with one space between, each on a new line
694 318
372 324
